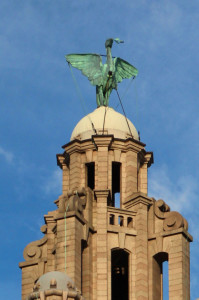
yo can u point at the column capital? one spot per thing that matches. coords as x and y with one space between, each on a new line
102 140
102 193
148 159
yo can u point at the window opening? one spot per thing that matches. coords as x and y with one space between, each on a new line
160 276
91 175
119 275
117 200
165 272
130 222
83 246
112 220
121 221
116 166
82 249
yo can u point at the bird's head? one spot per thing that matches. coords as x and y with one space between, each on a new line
118 41
109 42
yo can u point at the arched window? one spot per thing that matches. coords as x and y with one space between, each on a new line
160 277
119 275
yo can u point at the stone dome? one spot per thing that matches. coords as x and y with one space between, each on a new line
60 280
107 118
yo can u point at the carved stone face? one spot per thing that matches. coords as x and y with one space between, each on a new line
109 43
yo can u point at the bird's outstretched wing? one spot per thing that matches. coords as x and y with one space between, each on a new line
90 65
123 69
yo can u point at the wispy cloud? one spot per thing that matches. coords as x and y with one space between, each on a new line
168 15
179 193
7 155
53 182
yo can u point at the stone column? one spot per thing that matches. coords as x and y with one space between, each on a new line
102 143
101 192
142 179
63 163
179 268
65 185
75 170
51 228
131 172
145 163
69 255
140 204
141 253
102 245
87 270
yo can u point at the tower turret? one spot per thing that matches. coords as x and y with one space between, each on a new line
106 234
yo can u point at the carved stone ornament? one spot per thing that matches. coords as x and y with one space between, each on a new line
71 286
74 201
172 219
34 250
53 283
36 287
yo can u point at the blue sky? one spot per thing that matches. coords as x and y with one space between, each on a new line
40 106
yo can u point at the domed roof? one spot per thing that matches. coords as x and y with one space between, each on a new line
105 120
60 280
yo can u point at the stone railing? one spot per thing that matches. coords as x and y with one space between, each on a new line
121 217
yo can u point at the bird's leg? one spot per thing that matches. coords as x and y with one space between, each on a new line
99 96
107 89
106 98
107 83
105 101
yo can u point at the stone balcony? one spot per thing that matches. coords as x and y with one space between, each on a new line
121 217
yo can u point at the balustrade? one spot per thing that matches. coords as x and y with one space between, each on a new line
121 217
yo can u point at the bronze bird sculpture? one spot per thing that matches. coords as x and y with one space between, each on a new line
104 76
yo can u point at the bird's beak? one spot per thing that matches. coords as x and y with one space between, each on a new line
118 41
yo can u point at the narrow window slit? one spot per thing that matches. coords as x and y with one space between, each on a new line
90 175
116 201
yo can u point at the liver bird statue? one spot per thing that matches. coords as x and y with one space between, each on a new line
104 76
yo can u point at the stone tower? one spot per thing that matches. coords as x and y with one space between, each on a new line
107 239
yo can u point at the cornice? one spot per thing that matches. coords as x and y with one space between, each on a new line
137 198
181 230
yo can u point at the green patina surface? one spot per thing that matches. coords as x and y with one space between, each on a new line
104 76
